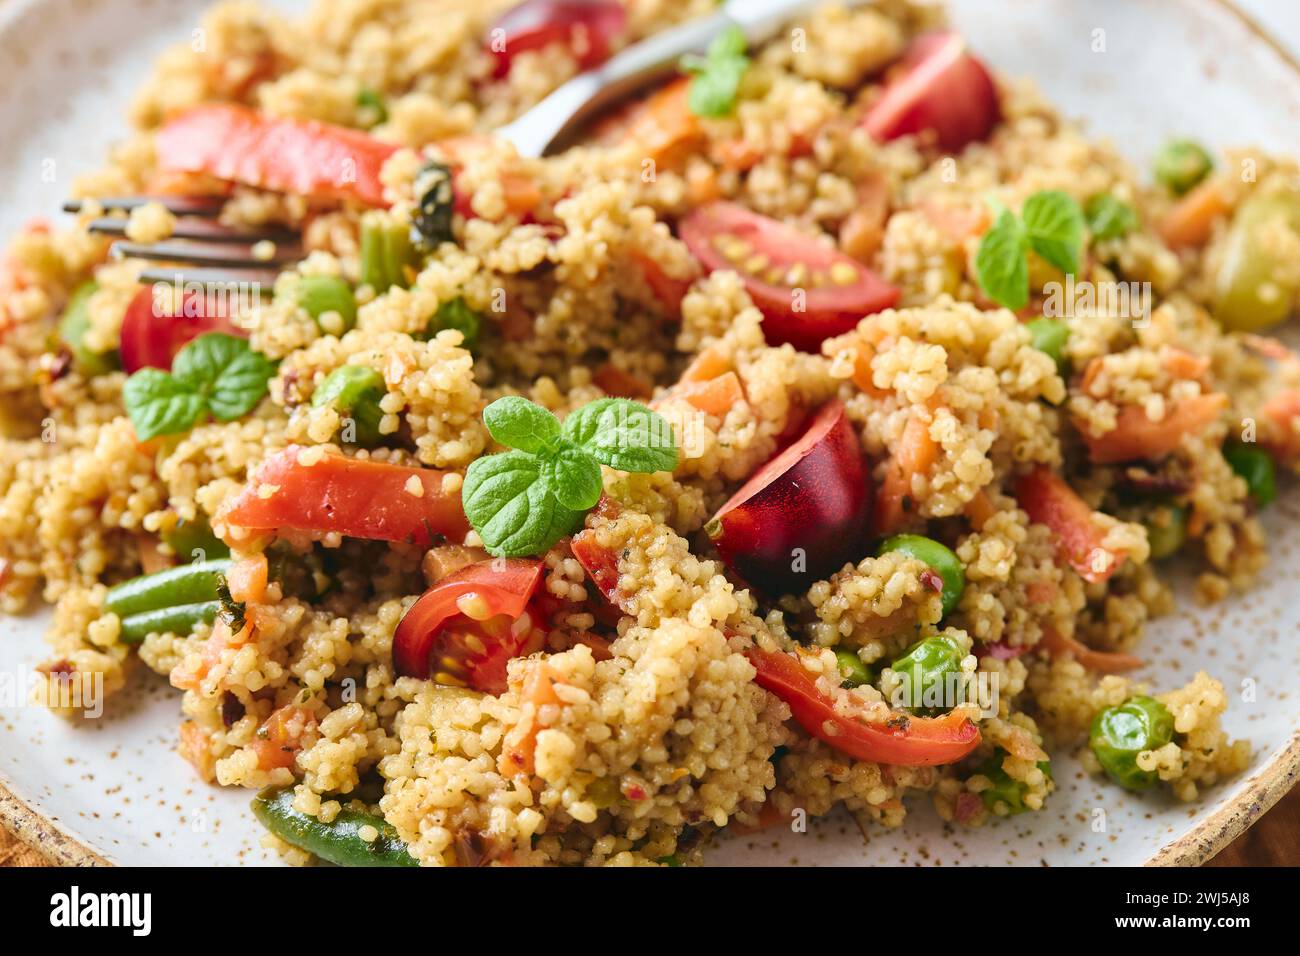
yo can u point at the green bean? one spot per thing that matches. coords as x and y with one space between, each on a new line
386 252
853 672
1119 734
180 619
924 668
1003 787
321 294
338 842
940 559
355 391
72 332
187 537
1256 466
1167 530
456 314
1182 164
185 584
1049 337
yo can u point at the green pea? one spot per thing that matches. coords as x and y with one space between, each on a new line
924 668
187 537
181 620
355 392
1108 217
388 257
185 584
1256 466
1182 164
1167 530
853 672
339 841
670 860
940 559
1003 787
1255 285
321 294
1049 336
72 332
1119 734
456 314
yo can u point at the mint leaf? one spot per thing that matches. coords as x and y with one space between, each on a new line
226 371
1000 262
158 404
717 75
574 478
518 423
1108 217
624 435
1054 228
510 505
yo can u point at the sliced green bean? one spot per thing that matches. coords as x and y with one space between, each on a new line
355 391
338 842
72 332
1182 164
456 314
181 619
1256 467
187 537
1167 530
185 584
386 252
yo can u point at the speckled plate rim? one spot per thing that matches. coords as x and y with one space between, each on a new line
1261 791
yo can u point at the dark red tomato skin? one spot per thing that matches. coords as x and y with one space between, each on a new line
506 584
825 310
815 496
150 338
943 88
588 27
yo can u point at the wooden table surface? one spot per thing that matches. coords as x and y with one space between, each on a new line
1273 841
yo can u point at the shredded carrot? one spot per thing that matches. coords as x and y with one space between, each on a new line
862 371
706 366
520 742
1136 436
915 453
713 397
1191 219
1103 662
247 579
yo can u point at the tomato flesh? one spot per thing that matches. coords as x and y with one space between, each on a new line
439 638
312 159
903 740
941 87
806 291
151 337
588 27
353 497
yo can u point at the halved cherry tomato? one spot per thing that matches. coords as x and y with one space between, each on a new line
1048 500
807 292
803 514
941 87
903 739
151 336
285 155
353 497
588 27
465 628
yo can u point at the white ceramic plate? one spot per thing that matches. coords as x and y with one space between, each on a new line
114 789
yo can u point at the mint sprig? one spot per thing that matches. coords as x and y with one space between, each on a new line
717 75
522 501
1051 224
215 374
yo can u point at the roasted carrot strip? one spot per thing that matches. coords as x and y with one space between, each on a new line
1137 437
915 454
714 397
1190 220
1048 500
1103 662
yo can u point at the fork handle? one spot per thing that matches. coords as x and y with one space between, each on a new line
556 118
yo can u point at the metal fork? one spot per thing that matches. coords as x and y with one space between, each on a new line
216 255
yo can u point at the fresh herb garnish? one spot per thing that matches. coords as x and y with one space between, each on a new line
436 202
522 501
717 75
232 611
1051 225
215 374
1108 217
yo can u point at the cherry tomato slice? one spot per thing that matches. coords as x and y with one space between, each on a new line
151 336
807 292
354 497
285 155
941 87
465 629
588 27
903 740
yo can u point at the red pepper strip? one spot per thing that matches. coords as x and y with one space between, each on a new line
903 739
284 155
350 496
505 586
